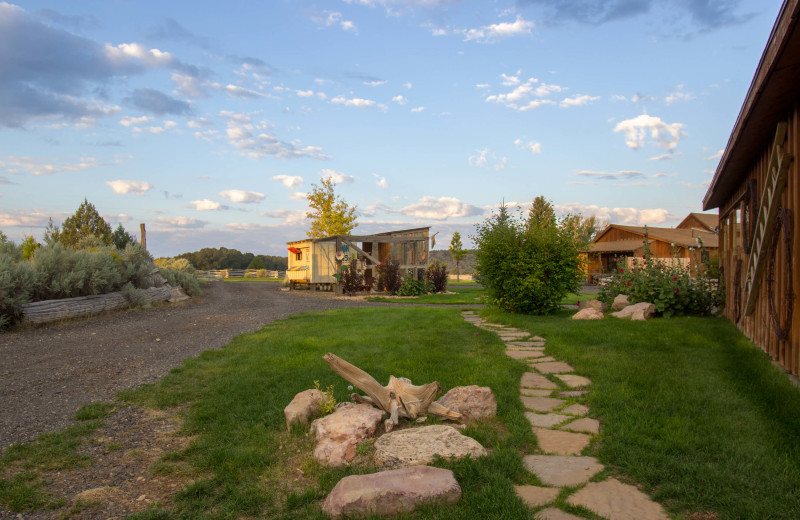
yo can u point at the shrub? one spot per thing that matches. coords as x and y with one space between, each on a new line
176 264
352 279
186 281
389 278
437 276
137 265
136 297
16 282
63 272
412 287
527 267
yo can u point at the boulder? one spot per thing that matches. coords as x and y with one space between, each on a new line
418 446
392 492
304 406
588 314
620 302
337 435
177 294
639 311
593 304
473 402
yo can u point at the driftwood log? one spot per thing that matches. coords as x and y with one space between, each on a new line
399 398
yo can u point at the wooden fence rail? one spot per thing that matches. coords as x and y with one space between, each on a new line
239 273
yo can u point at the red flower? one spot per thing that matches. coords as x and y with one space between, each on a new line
676 290
674 278
622 270
629 283
578 303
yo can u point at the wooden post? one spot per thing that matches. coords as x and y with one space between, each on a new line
337 288
144 235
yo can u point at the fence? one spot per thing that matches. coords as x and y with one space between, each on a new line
239 273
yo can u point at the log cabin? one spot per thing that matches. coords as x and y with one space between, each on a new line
757 190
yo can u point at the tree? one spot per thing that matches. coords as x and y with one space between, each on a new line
121 238
257 263
458 252
84 223
541 214
29 246
330 215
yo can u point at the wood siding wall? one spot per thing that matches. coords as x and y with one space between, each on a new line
758 326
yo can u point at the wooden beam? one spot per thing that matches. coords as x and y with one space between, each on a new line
361 251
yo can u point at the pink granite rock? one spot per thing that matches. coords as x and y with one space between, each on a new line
337 435
588 314
473 402
304 406
638 312
620 302
593 304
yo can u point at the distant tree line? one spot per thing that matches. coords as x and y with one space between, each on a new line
210 258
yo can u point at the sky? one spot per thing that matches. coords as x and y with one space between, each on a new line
211 121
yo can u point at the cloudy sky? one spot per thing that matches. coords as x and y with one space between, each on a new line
210 121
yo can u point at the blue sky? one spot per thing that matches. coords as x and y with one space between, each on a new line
209 121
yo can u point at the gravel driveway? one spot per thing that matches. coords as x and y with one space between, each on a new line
47 373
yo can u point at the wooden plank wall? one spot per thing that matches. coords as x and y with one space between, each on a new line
758 326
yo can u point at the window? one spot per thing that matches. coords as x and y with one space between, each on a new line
298 256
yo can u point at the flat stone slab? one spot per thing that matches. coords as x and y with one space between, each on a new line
576 409
560 471
574 381
524 354
573 393
509 346
535 392
545 420
583 425
531 380
541 404
561 443
551 513
535 496
555 367
546 359
533 343
392 492
419 446
617 501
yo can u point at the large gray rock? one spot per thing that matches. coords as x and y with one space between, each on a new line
639 311
392 492
473 402
620 302
417 446
337 435
593 304
588 314
304 406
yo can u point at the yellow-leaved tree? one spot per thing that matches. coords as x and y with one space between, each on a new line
329 214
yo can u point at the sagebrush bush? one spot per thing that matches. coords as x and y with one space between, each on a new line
136 297
436 274
187 281
16 283
389 278
63 272
137 265
176 264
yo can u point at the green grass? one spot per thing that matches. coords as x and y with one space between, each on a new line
689 408
237 396
573 298
462 296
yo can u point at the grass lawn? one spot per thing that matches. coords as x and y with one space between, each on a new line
462 296
690 410
573 298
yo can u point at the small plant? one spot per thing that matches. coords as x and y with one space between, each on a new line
352 279
389 278
412 287
136 297
329 402
437 276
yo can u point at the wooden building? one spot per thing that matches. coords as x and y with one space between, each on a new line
616 243
757 190
317 262
701 222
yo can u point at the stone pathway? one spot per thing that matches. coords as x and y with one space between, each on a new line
549 391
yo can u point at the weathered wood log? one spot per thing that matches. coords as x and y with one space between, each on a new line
399 398
66 308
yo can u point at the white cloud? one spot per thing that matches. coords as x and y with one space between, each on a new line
485 159
25 218
255 140
417 109
494 32
290 181
206 205
577 101
358 102
624 216
125 52
330 18
382 182
245 197
442 208
304 93
622 174
678 95
297 195
288 217
179 223
375 82
338 177
133 121
662 157
400 100
666 135
530 146
136 187
188 86
38 166
716 155
525 95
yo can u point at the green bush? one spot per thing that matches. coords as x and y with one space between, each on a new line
176 264
436 274
16 282
389 278
412 287
137 265
187 281
63 272
136 297
525 266
352 279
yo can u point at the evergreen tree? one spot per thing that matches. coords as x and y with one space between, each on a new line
330 215
456 249
84 223
541 214
121 238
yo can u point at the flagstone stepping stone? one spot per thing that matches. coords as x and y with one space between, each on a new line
531 380
535 496
535 392
541 404
545 420
547 359
512 335
583 425
509 346
576 409
562 471
524 354
561 443
573 393
573 381
534 343
555 367
551 513
617 501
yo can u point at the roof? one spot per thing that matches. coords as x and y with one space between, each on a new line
773 89
681 237
615 246
709 220
358 238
